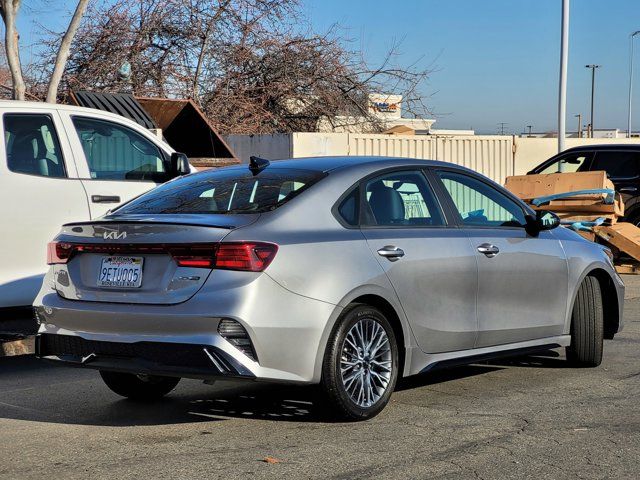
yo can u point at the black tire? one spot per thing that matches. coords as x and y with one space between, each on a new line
587 326
339 404
143 388
633 217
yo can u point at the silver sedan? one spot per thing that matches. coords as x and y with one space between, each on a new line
345 272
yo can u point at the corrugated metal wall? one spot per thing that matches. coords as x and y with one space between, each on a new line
490 155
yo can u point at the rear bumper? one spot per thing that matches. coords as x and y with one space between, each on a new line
158 358
286 331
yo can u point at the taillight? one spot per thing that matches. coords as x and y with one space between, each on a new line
243 256
59 252
246 256
195 256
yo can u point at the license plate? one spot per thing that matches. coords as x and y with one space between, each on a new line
122 272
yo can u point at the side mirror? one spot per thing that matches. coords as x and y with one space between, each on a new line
179 165
543 220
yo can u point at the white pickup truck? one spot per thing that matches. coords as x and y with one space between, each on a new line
59 164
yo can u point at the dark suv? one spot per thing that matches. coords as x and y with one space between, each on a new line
621 162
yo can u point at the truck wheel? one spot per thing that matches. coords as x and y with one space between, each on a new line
587 325
360 365
139 387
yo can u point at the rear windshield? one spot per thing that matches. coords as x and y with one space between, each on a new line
224 191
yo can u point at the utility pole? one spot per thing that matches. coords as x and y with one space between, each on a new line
593 88
630 79
502 125
529 127
564 59
579 124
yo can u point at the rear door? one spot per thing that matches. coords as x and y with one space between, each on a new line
116 162
39 191
522 280
429 262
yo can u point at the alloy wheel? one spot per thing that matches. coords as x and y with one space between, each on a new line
366 362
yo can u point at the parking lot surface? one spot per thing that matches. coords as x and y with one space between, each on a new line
526 417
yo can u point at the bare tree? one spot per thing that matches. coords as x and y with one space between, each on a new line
63 51
9 11
249 64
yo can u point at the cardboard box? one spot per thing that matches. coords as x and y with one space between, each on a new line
528 187
624 236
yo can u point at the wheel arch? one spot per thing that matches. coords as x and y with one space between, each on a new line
377 297
610 302
390 313
610 306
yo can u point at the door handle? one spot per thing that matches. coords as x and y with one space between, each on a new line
391 252
488 250
105 199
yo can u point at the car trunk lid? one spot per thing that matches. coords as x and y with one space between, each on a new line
140 259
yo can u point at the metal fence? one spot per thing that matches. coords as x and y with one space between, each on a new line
490 155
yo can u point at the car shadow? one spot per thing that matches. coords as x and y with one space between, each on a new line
32 390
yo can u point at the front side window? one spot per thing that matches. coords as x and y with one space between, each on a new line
573 162
401 199
480 204
32 145
224 191
116 152
618 164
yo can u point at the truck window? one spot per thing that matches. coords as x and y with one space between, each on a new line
573 162
618 164
116 152
32 145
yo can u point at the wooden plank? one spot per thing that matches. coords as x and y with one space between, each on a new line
616 208
628 269
24 346
624 236
587 216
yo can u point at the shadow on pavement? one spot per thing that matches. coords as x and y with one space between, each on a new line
35 391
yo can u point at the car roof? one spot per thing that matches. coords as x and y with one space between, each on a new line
604 146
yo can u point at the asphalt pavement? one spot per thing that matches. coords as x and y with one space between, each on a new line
527 417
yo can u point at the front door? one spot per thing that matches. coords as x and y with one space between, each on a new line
429 263
39 191
522 280
115 162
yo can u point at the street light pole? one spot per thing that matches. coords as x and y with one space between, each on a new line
630 79
593 87
564 59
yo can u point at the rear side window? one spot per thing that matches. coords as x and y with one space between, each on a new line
32 145
348 209
224 191
115 152
618 164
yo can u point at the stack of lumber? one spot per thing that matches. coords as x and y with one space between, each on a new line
585 202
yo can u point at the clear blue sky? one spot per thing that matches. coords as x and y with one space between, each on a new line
494 60
498 60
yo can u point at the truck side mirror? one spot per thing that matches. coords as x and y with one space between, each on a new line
179 165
